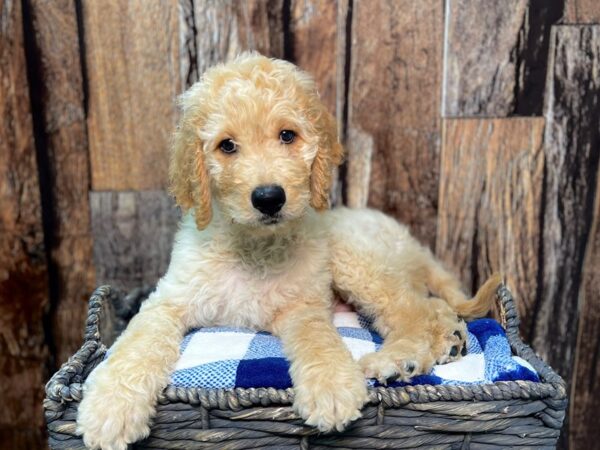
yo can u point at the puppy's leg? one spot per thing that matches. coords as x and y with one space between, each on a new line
380 268
120 394
329 386
418 333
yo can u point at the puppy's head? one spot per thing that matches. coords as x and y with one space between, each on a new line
255 139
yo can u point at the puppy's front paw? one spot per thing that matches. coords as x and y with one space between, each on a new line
387 366
111 416
331 402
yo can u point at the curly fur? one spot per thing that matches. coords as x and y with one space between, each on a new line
230 268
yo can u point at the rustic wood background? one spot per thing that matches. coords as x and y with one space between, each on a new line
476 122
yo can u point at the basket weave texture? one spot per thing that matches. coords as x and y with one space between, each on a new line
511 414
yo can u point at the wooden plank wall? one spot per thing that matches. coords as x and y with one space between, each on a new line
474 122
56 82
24 301
393 103
500 165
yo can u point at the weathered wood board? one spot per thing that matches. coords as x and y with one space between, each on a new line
393 127
585 401
343 58
132 57
342 63
313 36
532 55
312 44
495 56
23 276
490 203
226 28
582 11
60 116
572 149
480 66
133 236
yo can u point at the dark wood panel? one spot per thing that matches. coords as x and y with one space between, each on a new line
133 236
59 108
23 277
532 56
480 65
585 402
343 58
490 201
495 56
393 129
572 148
132 53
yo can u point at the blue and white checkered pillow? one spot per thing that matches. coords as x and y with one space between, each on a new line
226 357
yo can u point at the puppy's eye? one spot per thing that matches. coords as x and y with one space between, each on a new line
227 146
287 136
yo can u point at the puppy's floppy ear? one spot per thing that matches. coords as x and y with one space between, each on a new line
188 177
329 155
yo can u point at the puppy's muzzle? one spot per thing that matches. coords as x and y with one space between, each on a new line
268 199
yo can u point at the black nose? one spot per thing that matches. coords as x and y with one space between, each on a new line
268 199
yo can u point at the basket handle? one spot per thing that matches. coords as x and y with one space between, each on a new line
65 384
110 310
509 319
509 316
99 300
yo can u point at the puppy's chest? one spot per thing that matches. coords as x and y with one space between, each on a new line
238 295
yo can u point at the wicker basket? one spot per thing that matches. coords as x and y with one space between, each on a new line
510 414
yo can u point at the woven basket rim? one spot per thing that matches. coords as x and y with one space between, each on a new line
65 386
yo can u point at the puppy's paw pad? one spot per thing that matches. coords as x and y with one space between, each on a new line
450 345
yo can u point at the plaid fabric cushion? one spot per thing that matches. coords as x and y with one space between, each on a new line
225 357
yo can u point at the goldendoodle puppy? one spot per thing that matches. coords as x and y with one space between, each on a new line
251 167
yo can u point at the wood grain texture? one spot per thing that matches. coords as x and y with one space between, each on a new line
342 65
582 11
133 236
59 105
132 55
532 56
188 51
224 28
495 56
482 41
585 402
490 201
23 277
343 57
314 44
572 148
393 124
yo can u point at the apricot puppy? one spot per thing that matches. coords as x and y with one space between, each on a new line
251 168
